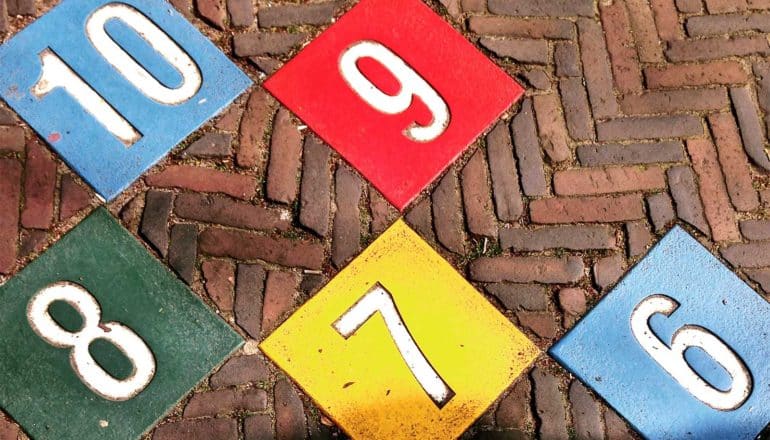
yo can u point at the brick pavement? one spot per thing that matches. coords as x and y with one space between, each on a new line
639 114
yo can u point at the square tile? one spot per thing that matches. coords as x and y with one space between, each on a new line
113 87
399 345
397 91
679 347
58 368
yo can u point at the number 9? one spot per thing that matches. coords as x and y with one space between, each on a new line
411 85
673 361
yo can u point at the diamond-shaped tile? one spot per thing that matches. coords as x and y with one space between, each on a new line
397 91
399 345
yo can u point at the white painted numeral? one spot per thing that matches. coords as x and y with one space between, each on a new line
157 39
412 84
56 73
379 300
84 365
673 361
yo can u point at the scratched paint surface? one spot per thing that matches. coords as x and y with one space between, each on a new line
105 162
473 88
602 351
38 387
363 382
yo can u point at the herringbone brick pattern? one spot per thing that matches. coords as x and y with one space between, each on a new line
639 114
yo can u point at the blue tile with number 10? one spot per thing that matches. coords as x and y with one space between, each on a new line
113 86
679 348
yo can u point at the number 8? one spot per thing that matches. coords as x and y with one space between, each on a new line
673 361
85 366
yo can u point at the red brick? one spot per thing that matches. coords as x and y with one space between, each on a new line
639 237
592 155
678 75
213 11
755 254
735 164
586 412
254 124
713 48
528 151
219 276
518 296
280 299
540 323
505 179
204 429
39 186
608 270
183 250
183 6
587 209
617 429
258 427
213 403
528 51
448 213
290 422
597 71
722 6
649 127
285 159
11 138
591 181
522 27
21 7
204 180
210 145
283 15
553 130
554 8
241 370
716 204
689 208
154 227
573 237
266 43
315 189
241 12
513 412
249 297
550 405
667 20
478 203
250 246
383 213
675 101
572 301
32 242
620 44
222 210
8 429
346 230
707 25
576 110
527 269
567 59
690 6
3 18
10 198
752 132
646 34
419 217
661 210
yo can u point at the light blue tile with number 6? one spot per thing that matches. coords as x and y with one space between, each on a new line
113 87
679 347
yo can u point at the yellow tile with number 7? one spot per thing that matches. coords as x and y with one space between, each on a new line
399 345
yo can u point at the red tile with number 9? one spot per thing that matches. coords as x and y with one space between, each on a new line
396 91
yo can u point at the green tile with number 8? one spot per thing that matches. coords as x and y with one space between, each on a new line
100 340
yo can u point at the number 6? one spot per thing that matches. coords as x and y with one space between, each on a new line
673 361
90 373
411 85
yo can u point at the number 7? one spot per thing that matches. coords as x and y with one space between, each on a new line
379 300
